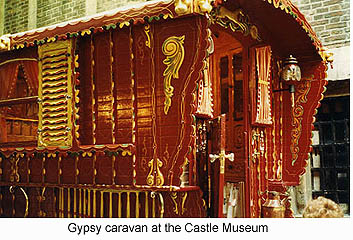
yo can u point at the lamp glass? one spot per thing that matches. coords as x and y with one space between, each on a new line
291 70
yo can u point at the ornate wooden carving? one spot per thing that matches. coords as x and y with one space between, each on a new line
297 126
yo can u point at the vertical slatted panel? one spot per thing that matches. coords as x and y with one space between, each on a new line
55 92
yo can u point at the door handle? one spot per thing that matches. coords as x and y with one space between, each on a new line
229 156
222 157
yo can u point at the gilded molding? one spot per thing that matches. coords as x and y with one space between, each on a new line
173 49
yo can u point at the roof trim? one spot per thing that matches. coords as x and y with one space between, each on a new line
140 13
117 18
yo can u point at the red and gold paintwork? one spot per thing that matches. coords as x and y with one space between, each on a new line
140 92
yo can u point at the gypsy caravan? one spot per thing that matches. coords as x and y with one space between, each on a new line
175 108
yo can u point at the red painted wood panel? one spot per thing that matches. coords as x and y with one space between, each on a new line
85 86
122 86
103 88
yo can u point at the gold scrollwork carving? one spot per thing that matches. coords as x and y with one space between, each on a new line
174 196
150 176
183 209
159 177
236 21
173 49
297 117
155 176
147 30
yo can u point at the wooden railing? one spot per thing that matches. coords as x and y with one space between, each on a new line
80 201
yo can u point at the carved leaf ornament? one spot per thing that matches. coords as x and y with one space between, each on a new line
173 49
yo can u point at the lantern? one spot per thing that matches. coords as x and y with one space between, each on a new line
291 74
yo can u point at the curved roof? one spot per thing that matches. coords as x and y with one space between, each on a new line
288 28
281 20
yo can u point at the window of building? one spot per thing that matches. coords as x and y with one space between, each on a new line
18 103
330 156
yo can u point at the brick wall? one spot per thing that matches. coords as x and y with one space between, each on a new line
104 5
16 16
49 12
330 20
55 11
